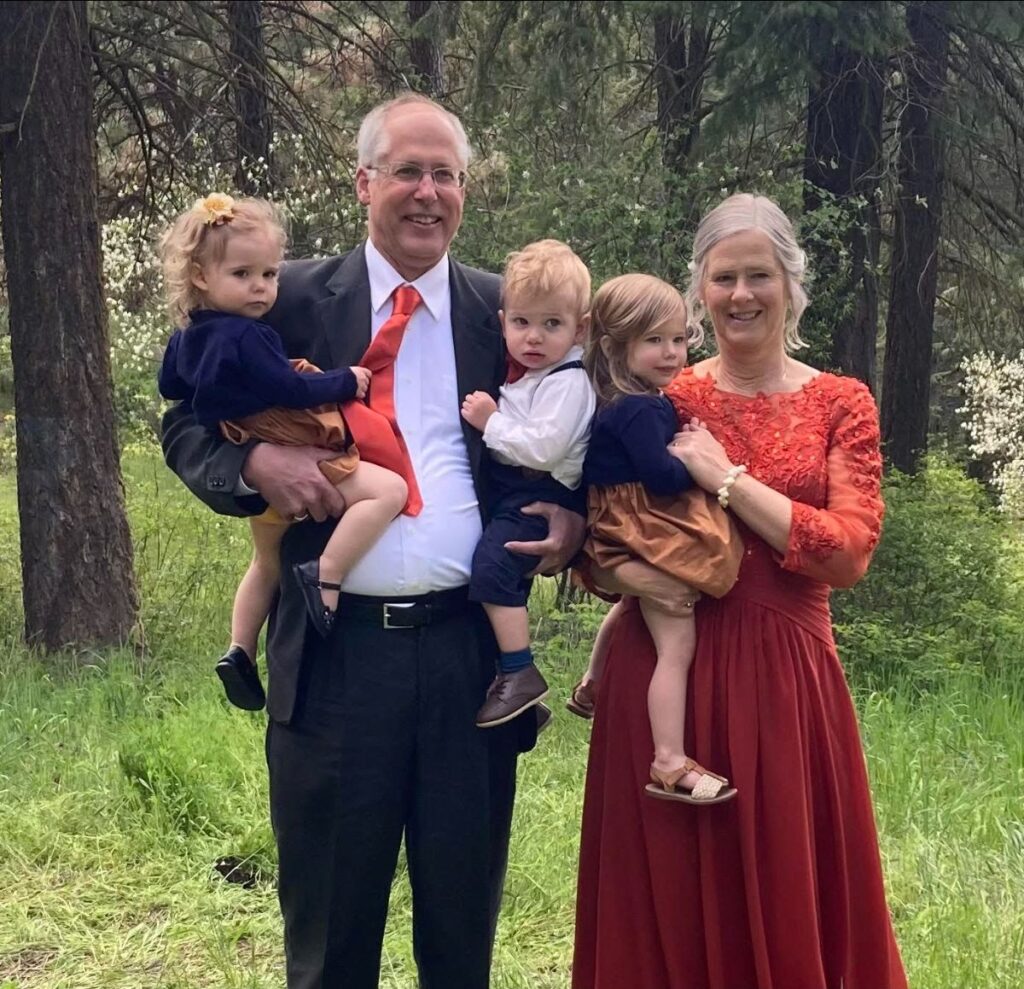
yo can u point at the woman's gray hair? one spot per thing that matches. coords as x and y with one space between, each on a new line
735 215
372 140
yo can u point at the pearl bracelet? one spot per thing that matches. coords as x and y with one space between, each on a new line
728 481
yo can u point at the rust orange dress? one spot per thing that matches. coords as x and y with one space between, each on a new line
782 887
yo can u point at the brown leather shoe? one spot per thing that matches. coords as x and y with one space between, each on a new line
543 717
510 694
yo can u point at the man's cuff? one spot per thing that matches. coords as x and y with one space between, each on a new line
242 489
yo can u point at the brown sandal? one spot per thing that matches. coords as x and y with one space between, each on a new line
709 789
583 699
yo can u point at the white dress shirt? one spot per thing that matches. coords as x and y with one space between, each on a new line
543 421
434 550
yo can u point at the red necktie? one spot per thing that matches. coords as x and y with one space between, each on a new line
514 370
374 427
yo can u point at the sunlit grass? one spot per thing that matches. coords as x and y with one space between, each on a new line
125 777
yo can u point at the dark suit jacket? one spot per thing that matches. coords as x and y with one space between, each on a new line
323 314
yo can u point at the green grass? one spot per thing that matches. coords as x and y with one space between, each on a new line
124 777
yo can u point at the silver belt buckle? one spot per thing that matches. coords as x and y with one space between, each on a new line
389 622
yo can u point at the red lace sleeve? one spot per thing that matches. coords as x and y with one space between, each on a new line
834 544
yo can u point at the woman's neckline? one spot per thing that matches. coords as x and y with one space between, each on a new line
713 382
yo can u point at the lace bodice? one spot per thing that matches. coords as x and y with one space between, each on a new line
819 446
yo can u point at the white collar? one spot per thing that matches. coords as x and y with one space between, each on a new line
432 285
575 354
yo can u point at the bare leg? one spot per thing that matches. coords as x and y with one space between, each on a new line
259 585
599 652
675 640
511 626
373 497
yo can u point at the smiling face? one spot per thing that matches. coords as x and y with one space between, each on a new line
244 281
540 329
412 224
744 291
658 353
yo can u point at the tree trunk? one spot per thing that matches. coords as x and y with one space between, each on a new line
843 158
425 50
252 114
914 268
76 548
680 66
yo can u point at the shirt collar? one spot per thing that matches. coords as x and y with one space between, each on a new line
432 286
575 354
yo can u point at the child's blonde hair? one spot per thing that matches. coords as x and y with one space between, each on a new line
200 236
543 267
625 308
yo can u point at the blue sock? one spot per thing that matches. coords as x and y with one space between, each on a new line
512 662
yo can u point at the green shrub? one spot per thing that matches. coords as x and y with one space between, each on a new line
946 588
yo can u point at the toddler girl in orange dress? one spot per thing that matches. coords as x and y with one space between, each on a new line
652 531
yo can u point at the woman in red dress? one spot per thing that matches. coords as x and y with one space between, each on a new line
780 888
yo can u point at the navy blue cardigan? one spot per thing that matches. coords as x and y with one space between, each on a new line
229 367
628 441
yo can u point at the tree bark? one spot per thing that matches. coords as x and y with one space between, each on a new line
843 159
425 50
681 62
252 114
76 549
914 269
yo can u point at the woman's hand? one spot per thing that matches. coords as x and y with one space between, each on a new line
703 456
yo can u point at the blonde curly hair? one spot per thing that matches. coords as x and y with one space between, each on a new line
200 236
625 308
543 267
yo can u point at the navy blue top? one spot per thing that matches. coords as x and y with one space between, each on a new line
628 441
229 367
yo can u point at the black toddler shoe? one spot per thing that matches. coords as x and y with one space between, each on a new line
241 680
308 576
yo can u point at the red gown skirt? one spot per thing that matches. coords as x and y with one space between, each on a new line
780 888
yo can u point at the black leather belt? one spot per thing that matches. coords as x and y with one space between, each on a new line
403 612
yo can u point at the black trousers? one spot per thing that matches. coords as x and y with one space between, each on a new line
383 743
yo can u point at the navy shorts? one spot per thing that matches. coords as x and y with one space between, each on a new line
499 577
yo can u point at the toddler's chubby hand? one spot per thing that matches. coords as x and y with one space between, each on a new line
692 425
363 376
478 408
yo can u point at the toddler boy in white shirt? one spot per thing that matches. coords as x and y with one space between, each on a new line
536 434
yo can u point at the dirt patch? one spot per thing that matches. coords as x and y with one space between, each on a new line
17 966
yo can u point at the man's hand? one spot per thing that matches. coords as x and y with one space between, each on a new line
363 377
289 479
566 531
478 408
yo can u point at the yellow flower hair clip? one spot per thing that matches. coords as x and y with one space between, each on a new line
215 209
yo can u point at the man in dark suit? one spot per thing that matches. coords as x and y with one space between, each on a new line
371 733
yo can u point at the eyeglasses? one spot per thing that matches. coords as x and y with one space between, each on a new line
409 174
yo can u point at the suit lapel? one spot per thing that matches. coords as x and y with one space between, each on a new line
477 339
345 315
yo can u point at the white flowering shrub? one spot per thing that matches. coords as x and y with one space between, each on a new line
993 413
323 217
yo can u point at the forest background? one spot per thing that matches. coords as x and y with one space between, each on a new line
893 132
